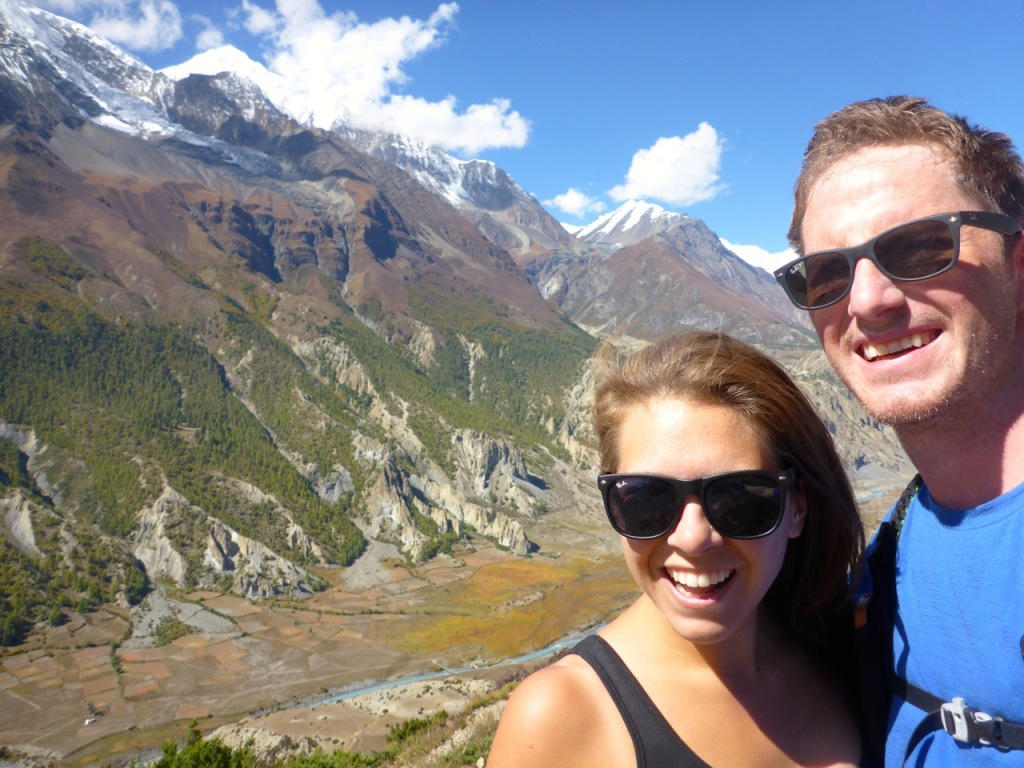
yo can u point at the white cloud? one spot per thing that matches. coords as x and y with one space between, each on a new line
575 203
210 36
676 170
149 25
759 257
339 68
480 127
258 21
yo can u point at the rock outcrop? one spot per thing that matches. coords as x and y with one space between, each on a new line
333 362
16 510
152 546
254 569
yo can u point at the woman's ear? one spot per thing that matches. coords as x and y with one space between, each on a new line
798 503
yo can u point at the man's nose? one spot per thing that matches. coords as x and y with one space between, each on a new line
872 292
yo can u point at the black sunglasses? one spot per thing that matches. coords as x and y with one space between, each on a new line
917 250
739 505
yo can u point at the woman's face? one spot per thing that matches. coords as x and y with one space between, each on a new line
687 439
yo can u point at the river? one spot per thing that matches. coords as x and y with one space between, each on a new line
375 687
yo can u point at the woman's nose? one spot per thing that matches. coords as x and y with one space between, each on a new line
693 533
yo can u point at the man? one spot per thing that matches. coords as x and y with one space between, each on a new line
909 224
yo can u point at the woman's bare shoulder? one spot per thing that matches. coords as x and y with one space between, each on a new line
558 716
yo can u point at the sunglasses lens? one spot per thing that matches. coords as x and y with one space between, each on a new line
743 506
915 251
819 279
643 507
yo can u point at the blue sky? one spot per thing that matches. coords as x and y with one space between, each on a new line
702 108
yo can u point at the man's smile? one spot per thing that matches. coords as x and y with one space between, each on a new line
873 351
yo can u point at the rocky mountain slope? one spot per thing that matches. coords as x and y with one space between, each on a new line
232 348
648 271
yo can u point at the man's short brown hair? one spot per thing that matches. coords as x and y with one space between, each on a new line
987 165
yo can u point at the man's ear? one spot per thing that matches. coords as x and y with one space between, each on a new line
798 502
1017 262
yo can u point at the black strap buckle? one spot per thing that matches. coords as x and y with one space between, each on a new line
971 725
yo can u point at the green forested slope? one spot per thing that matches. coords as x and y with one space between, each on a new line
125 407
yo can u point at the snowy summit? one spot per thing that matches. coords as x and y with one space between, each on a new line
632 218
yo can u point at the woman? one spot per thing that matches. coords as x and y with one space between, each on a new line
726 659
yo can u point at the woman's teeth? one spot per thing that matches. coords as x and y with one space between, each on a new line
704 579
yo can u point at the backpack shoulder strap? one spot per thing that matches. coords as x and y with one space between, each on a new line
875 618
899 512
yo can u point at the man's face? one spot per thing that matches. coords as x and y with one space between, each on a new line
915 351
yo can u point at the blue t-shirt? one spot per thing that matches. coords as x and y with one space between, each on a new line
960 586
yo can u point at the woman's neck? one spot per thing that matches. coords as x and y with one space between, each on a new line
739 659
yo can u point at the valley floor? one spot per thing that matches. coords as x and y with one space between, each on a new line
71 697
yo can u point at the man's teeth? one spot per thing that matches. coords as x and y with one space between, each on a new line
873 351
703 579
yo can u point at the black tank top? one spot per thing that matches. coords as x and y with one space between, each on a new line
655 743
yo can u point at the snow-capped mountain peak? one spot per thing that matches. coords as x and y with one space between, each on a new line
214 61
101 81
286 95
229 60
632 221
47 31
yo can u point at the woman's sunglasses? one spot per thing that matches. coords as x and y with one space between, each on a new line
739 505
918 250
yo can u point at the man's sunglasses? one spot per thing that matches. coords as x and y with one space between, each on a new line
739 505
918 250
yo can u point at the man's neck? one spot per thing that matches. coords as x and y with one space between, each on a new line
967 461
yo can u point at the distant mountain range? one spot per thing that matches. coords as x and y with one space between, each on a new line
233 346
